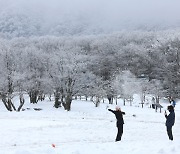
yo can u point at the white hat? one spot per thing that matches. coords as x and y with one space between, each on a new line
118 108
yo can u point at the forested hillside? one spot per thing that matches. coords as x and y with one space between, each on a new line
73 49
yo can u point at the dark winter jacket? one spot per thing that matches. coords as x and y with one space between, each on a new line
170 119
119 117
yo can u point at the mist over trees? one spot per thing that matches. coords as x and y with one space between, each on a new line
21 18
99 66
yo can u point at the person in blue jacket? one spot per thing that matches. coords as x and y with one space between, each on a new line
120 121
170 120
173 102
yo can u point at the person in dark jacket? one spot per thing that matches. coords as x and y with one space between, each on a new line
170 120
120 121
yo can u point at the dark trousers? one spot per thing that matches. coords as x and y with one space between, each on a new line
169 132
120 132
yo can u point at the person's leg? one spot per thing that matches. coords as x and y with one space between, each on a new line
119 133
118 137
169 132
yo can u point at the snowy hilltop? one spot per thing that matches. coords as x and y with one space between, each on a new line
86 129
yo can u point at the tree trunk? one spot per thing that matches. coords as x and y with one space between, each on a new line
41 96
57 103
131 99
67 104
91 99
5 102
142 104
22 101
75 97
124 101
116 100
110 98
49 96
8 104
157 99
33 94
97 101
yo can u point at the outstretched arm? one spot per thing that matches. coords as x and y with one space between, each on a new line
123 113
111 110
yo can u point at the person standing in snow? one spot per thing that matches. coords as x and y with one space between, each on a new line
170 120
120 121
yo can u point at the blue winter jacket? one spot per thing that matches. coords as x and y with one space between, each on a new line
170 119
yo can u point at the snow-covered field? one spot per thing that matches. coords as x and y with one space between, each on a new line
86 130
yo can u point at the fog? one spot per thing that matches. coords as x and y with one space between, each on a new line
105 14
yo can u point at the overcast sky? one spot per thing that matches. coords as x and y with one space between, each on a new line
110 12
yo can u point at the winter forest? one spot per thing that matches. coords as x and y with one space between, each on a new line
73 60
95 66
63 60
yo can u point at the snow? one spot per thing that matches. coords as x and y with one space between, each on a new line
86 130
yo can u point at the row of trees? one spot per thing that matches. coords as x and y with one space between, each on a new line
112 66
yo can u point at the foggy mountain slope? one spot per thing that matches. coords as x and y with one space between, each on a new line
79 17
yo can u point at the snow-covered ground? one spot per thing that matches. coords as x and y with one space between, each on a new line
86 130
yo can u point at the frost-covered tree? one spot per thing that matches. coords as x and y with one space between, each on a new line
14 24
9 76
71 75
104 61
171 69
35 72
